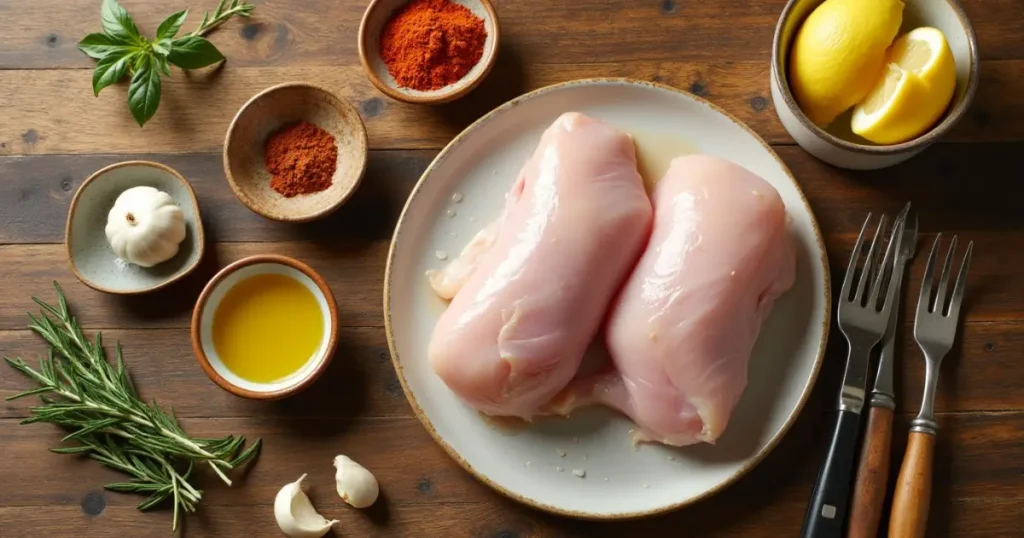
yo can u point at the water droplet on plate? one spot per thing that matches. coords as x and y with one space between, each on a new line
441 255
457 197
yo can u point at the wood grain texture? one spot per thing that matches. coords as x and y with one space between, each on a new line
54 111
361 382
951 186
872 480
322 32
912 497
416 475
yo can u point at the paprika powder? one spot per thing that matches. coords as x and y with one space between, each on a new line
301 159
430 44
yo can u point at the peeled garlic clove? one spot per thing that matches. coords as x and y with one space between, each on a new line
295 514
356 485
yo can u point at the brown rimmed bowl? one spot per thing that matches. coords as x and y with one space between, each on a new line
271 110
377 15
89 253
837 145
209 300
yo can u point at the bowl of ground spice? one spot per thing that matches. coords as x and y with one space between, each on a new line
295 152
428 51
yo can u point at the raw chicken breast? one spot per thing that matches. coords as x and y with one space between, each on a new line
684 326
534 287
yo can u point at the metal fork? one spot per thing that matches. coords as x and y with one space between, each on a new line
862 320
935 330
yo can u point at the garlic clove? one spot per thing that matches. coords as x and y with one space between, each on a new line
356 485
295 514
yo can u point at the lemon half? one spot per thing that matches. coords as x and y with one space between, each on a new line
839 53
914 93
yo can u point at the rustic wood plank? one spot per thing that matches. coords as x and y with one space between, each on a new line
983 376
36 192
951 186
967 519
354 269
54 111
975 467
360 382
323 32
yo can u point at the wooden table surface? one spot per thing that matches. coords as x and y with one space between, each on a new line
54 133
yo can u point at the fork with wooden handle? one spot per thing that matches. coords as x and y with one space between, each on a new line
873 470
935 330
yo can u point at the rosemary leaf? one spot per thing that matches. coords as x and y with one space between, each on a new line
97 402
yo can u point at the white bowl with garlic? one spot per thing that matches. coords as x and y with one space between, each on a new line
134 227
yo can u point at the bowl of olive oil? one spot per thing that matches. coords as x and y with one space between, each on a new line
265 327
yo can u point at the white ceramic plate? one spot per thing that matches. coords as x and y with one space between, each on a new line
620 482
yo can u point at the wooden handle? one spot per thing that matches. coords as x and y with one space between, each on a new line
872 475
909 516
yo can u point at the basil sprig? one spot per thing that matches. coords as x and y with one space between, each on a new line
122 50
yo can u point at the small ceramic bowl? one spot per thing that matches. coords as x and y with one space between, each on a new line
377 16
269 111
214 292
89 253
839 146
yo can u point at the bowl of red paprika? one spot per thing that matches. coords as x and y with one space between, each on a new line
428 51
295 152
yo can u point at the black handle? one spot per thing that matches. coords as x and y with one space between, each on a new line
826 514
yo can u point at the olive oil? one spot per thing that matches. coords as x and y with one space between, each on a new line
655 151
267 327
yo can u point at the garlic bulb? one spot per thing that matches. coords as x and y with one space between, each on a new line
356 485
145 227
295 514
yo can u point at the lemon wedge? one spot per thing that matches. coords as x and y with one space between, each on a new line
914 93
838 54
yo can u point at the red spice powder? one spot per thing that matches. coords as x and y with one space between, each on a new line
302 158
430 44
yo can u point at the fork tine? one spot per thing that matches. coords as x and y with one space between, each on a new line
887 269
926 283
871 261
847 290
939 304
961 283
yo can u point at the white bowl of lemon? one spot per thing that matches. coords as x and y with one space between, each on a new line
865 84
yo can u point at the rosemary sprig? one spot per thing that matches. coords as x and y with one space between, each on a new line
96 400
220 15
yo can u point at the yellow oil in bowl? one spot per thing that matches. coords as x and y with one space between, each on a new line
267 327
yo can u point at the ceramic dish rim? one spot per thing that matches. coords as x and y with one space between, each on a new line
950 117
196 330
200 238
442 96
452 453
345 195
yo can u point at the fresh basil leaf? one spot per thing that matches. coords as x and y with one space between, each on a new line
193 52
99 45
161 62
160 47
169 28
144 92
109 70
118 24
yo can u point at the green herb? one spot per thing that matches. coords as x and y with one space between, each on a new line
96 400
122 50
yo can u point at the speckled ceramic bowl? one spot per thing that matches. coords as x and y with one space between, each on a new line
837 145
269 111
377 15
94 262
213 294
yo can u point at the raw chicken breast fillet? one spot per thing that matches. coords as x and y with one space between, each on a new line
684 326
531 290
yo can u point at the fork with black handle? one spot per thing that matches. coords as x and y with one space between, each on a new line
862 320
935 330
